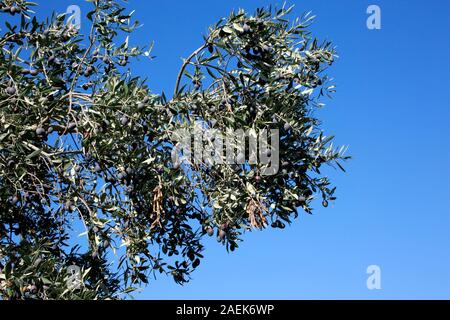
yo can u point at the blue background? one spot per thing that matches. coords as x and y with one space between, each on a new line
392 109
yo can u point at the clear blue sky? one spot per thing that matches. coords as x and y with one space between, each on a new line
392 108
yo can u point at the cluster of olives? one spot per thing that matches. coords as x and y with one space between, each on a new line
32 72
141 105
42 133
105 243
278 224
125 176
221 232
12 10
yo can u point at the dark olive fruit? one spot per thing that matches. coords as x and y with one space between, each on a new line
268 153
109 179
124 120
146 99
301 199
14 200
196 263
140 106
105 244
95 229
11 163
50 130
210 48
70 206
97 168
210 231
51 59
85 86
287 126
96 51
239 64
129 171
40 131
223 226
191 255
325 203
10 90
65 36
94 255
86 73
274 119
123 62
71 126
14 10
222 234
257 178
285 164
74 66
284 172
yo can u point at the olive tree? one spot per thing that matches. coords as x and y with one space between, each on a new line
85 144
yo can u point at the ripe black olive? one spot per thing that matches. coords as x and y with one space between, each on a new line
10 90
209 231
40 131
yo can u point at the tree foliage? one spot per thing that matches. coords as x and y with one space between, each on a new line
83 142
